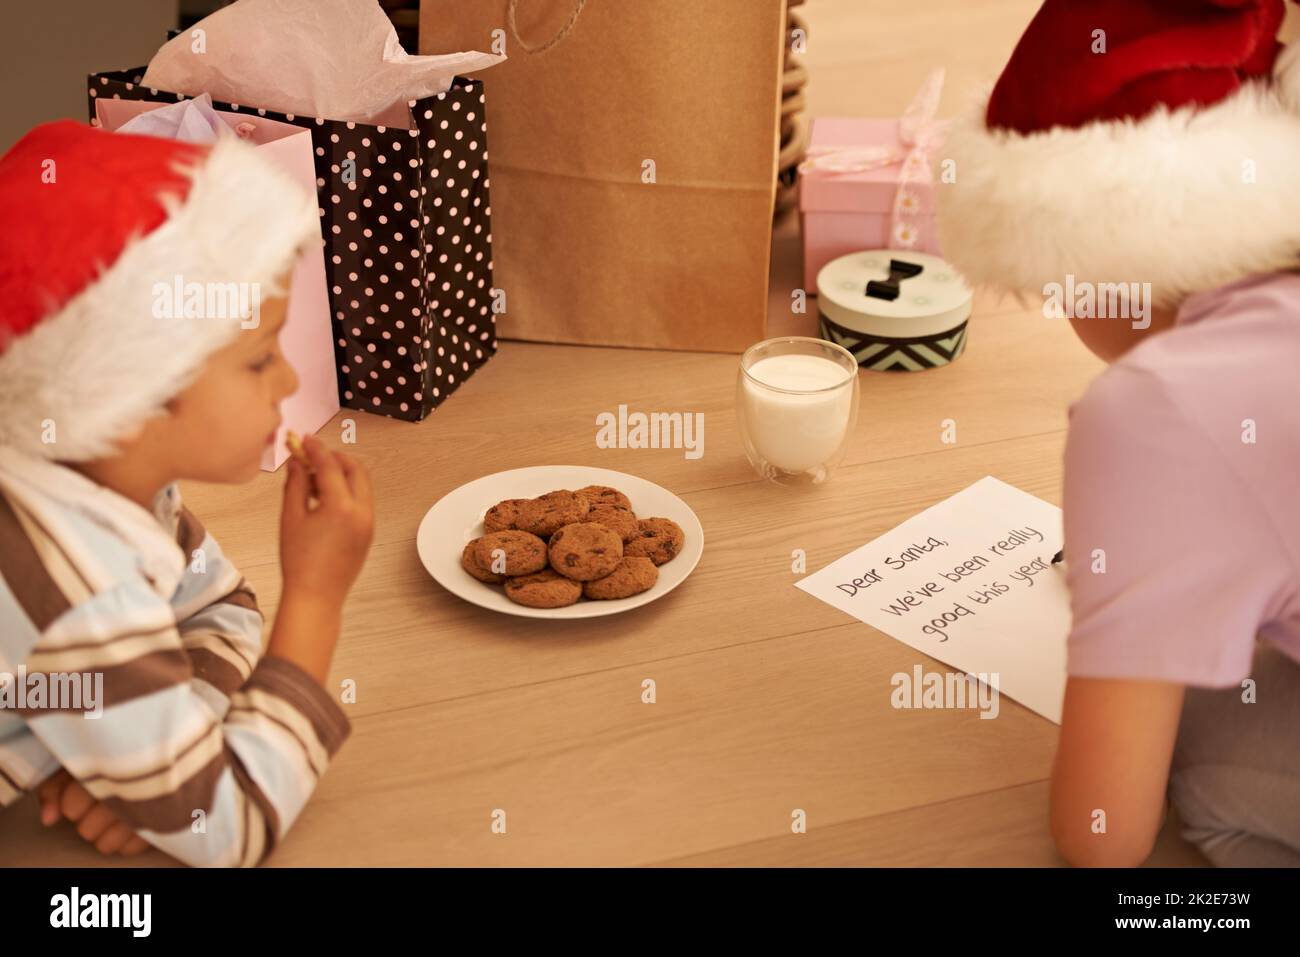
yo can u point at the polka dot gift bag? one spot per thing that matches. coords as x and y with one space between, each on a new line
406 224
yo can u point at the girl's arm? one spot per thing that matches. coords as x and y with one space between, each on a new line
1112 768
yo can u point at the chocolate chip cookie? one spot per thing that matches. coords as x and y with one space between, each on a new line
544 590
616 518
547 514
633 575
604 495
503 515
468 563
658 539
523 553
584 551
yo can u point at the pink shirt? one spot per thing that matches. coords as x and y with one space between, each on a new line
1182 473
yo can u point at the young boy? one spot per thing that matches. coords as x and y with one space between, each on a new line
1157 145
203 746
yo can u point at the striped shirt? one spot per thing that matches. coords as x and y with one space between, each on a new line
207 749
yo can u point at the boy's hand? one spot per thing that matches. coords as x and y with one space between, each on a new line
61 796
322 549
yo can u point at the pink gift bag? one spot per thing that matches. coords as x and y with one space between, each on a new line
306 339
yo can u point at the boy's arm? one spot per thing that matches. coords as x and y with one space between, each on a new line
217 614
1112 766
161 758
205 790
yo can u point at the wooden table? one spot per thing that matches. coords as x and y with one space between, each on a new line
767 699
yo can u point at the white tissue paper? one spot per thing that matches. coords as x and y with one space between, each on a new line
190 121
335 59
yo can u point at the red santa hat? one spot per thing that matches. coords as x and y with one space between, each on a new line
1132 141
99 228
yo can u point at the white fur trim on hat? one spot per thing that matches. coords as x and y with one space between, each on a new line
92 373
1187 200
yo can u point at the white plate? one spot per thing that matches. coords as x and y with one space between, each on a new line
458 516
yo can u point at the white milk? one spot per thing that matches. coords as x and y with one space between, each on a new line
797 432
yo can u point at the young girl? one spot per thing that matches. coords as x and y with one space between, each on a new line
1147 155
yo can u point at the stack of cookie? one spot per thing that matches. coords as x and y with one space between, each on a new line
552 550
795 129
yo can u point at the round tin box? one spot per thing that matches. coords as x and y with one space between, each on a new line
896 311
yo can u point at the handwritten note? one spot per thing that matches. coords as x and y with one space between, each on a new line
969 581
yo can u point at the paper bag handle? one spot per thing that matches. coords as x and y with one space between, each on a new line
564 30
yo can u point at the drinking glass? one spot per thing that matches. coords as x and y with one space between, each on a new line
796 405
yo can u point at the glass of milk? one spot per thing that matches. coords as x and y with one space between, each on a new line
796 405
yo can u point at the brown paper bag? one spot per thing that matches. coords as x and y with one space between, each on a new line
633 164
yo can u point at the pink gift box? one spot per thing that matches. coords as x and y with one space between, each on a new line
842 213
